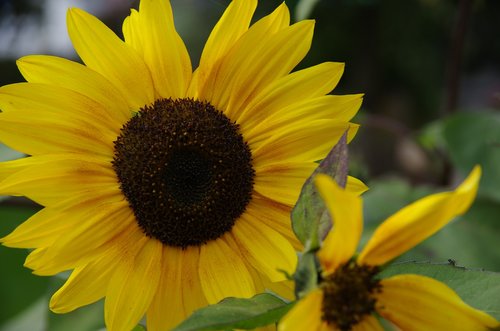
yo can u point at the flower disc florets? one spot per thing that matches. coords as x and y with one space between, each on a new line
185 170
348 295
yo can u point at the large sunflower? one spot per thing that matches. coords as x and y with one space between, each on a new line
166 189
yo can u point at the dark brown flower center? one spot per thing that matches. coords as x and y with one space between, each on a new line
348 295
185 170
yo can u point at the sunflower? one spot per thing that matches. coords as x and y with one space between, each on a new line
165 189
349 292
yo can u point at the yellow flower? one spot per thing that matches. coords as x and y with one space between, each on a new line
166 189
349 292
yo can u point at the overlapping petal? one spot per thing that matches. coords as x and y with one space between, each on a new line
101 50
302 142
223 273
282 182
127 299
56 71
89 282
166 308
274 214
46 226
233 23
291 89
71 122
225 82
369 323
55 179
265 248
161 47
99 230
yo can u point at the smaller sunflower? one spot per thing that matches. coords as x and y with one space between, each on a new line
350 292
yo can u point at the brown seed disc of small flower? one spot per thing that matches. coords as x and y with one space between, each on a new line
348 295
185 170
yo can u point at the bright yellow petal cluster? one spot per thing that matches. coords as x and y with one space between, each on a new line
410 302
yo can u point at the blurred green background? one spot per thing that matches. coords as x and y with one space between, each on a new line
430 71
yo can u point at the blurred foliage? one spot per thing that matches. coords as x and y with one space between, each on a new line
474 138
18 288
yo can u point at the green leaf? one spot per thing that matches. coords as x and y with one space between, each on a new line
18 288
306 275
474 138
309 220
235 313
478 288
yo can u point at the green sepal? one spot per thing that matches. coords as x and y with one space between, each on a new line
309 219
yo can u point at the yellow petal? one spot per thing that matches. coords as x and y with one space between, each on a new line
132 287
265 248
223 273
283 182
132 30
418 221
179 292
167 310
71 122
274 214
101 50
163 49
89 282
338 107
56 179
355 185
305 315
213 76
233 23
290 89
369 323
414 302
346 211
86 285
274 58
303 142
192 293
39 230
47 225
98 230
76 77
8 168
